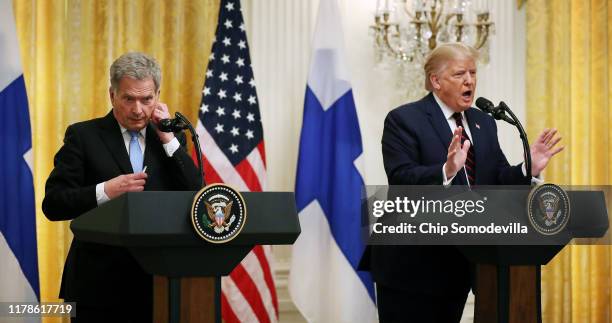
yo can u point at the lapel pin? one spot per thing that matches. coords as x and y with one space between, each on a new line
478 126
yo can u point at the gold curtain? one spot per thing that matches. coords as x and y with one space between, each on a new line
67 47
569 87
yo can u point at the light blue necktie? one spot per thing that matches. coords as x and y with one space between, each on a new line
135 152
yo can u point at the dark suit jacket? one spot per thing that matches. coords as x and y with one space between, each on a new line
93 152
415 144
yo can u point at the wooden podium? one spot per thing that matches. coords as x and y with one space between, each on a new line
156 228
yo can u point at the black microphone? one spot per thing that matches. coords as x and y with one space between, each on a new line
179 123
172 125
499 112
503 105
485 105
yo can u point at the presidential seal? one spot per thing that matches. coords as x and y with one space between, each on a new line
548 209
218 213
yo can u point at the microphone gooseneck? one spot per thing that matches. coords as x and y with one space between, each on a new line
499 113
178 124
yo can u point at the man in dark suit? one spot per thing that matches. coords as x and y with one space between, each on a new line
100 160
441 140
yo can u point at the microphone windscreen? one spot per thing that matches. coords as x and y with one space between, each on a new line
484 105
166 125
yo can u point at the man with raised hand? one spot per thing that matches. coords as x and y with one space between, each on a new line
100 160
441 140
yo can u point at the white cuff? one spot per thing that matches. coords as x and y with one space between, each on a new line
101 196
171 147
446 181
534 180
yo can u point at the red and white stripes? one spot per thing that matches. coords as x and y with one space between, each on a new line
248 293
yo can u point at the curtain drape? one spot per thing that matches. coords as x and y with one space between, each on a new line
67 47
568 87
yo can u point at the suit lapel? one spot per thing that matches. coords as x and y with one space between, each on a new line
440 125
112 138
438 122
151 136
152 154
475 122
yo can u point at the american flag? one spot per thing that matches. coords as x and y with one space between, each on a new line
229 125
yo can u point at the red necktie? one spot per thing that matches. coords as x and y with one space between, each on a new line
470 162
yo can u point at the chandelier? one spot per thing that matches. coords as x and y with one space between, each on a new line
405 31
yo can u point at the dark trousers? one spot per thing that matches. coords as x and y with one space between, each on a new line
399 306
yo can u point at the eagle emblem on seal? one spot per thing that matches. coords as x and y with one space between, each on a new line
548 209
219 215
549 206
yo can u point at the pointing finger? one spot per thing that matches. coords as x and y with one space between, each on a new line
455 144
466 146
458 131
162 107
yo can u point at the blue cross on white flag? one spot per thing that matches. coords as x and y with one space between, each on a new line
324 282
18 258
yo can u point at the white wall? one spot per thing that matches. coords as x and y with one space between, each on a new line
280 32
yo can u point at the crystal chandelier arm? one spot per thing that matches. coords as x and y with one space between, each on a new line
383 32
407 11
482 29
449 17
435 15
386 27
436 12
459 26
377 35
387 42
482 33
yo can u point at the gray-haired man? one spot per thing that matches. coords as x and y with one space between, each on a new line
100 160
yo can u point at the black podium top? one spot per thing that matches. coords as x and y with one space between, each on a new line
162 218
156 228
